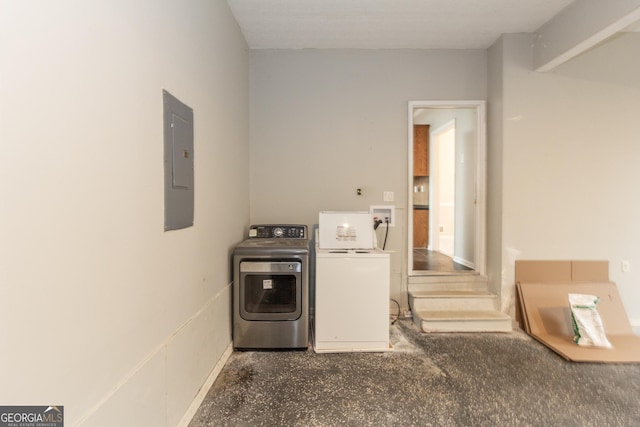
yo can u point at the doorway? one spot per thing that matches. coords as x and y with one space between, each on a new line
443 190
446 204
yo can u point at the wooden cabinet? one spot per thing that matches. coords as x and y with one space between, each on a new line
420 169
420 150
420 228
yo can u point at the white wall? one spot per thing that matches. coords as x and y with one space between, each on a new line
101 311
326 122
570 153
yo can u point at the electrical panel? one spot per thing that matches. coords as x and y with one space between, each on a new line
178 163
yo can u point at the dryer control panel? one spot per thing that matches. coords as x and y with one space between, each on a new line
278 231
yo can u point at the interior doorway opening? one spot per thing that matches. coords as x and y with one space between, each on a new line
446 203
443 190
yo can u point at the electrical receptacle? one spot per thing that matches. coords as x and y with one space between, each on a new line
626 267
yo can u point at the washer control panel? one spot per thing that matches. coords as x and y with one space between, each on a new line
278 231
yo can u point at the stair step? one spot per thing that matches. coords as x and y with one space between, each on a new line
429 283
444 278
452 293
452 299
462 321
456 303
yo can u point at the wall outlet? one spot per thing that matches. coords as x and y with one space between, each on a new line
626 267
384 212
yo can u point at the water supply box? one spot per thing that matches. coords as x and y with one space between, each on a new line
345 230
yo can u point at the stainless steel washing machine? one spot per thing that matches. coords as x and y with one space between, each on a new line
271 288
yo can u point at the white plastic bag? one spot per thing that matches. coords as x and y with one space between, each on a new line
587 325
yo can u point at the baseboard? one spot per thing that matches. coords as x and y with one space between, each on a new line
464 262
202 393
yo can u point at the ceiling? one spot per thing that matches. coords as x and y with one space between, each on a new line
390 24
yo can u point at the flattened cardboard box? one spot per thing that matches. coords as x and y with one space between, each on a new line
528 271
561 271
544 307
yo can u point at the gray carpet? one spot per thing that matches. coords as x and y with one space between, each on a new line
428 380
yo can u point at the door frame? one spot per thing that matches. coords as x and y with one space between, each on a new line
480 181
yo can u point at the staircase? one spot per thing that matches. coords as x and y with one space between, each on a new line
455 303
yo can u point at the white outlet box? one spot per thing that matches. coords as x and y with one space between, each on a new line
387 196
626 267
383 212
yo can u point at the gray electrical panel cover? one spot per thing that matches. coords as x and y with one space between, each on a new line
178 163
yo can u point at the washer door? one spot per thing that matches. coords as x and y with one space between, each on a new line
270 290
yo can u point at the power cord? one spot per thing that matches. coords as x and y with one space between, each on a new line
398 315
386 234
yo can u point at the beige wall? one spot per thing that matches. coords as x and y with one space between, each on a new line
326 122
570 160
101 310
495 142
